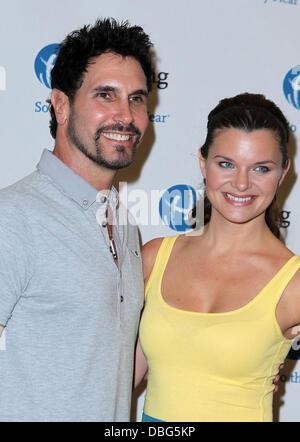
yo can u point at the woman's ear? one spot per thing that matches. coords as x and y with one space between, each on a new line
284 172
202 163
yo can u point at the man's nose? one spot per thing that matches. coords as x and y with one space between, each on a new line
123 113
241 180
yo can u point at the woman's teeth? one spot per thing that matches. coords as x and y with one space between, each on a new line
235 198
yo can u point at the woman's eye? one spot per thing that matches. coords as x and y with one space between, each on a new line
225 164
262 169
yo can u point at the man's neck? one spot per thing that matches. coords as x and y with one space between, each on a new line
98 177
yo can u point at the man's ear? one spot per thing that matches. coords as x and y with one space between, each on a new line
61 106
202 163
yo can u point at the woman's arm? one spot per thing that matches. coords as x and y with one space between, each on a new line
149 252
141 368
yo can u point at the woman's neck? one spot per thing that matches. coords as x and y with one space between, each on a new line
224 236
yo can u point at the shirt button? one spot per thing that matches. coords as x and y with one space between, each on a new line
85 202
122 299
136 253
103 199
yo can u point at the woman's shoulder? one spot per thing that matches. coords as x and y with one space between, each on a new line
151 247
149 253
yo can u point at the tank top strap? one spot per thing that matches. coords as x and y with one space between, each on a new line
280 281
161 260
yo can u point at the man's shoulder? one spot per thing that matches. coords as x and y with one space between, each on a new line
14 199
19 188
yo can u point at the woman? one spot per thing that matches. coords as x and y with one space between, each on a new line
221 307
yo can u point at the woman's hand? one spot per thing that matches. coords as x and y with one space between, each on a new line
276 379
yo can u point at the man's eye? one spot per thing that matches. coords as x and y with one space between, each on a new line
225 164
137 99
104 95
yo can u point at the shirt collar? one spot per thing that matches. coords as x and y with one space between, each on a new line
72 184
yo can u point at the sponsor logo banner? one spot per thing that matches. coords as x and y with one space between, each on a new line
176 205
283 2
44 63
291 86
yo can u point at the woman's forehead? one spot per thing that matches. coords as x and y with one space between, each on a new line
258 143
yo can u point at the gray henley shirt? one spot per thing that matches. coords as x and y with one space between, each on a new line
71 315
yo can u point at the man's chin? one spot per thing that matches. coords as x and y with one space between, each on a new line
120 162
115 165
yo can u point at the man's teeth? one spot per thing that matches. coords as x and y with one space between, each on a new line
116 137
241 200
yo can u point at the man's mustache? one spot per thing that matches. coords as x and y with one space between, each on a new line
119 128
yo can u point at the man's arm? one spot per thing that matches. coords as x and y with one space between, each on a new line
17 258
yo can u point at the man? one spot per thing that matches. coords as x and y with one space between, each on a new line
71 287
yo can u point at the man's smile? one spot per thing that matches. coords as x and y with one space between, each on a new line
116 137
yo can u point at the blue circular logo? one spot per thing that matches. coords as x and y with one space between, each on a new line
291 86
175 207
44 63
294 352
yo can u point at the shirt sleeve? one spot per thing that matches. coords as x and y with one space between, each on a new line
15 265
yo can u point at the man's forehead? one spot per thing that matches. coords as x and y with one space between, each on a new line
110 62
111 69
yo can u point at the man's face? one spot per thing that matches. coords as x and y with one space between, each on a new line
108 116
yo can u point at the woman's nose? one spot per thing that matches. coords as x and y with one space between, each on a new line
241 181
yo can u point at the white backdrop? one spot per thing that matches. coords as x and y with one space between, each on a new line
205 50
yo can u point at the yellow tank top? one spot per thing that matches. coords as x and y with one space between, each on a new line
212 367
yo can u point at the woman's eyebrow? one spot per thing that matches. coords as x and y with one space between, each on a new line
221 156
266 161
257 162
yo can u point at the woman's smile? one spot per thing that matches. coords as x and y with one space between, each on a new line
239 200
243 171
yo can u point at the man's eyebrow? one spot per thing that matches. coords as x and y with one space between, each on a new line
104 89
140 92
107 88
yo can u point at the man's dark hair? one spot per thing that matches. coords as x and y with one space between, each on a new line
79 48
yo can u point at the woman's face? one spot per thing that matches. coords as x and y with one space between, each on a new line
243 171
